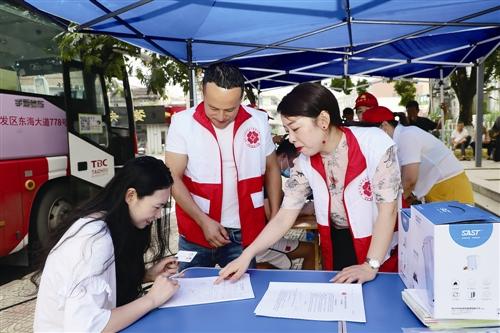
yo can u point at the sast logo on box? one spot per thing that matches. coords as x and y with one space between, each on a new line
470 233
467 235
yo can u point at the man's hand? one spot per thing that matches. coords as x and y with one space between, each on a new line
356 273
215 234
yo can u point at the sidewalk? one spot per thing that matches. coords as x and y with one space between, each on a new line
19 318
485 183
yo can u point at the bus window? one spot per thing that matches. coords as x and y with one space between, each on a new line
9 80
121 143
88 106
42 83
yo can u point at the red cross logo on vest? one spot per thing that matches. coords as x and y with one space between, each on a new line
252 138
365 189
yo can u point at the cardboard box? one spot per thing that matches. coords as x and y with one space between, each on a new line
405 249
452 251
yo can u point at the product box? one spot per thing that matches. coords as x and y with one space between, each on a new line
405 249
452 251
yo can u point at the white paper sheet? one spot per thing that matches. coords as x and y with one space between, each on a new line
313 301
203 290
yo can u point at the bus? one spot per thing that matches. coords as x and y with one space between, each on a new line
60 139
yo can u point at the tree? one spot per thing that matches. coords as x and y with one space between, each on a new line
463 82
407 91
361 86
250 95
345 85
107 53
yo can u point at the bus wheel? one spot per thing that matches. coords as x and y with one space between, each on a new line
52 206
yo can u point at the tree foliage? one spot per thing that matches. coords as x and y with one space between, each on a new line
342 84
407 91
464 82
107 53
361 86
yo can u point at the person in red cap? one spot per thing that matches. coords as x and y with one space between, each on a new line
429 170
364 102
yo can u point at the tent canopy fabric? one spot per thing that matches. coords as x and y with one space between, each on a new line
278 42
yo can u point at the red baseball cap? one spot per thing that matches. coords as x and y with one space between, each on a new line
377 115
366 99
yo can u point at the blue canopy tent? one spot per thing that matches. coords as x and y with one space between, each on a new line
421 57
279 42
367 32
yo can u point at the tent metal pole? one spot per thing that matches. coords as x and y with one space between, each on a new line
285 41
259 101
348 19
266 77
414 73
131 28
267 70
112 14
479 113
431 99
189 46
441 101
426 30
428 23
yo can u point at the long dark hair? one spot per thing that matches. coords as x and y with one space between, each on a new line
146 175
308 100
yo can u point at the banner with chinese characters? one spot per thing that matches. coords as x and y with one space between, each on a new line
31 127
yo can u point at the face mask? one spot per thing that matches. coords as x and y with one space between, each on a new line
286 172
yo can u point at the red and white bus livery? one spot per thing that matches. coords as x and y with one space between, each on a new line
58 143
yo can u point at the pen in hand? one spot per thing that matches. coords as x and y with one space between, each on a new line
173 276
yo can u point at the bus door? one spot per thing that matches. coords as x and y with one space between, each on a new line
122 134
94 145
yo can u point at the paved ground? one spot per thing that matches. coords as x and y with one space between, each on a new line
485 183
16 297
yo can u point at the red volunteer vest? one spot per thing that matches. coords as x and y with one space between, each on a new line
204 179
358 200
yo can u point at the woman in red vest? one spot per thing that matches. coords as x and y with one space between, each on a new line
354 177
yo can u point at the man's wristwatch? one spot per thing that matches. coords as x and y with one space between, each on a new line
373 263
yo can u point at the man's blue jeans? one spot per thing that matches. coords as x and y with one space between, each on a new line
209 257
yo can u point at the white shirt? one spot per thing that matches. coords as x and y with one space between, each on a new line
437 163
457 136
230 217
177 142
75 294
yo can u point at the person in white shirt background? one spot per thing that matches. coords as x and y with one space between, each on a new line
429 170
91 278
460 138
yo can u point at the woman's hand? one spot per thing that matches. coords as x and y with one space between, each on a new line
163 289
356 273
166 266
235 269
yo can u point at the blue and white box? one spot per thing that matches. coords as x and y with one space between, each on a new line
454 252
405 249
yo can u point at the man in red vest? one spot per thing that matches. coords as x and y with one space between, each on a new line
221 156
